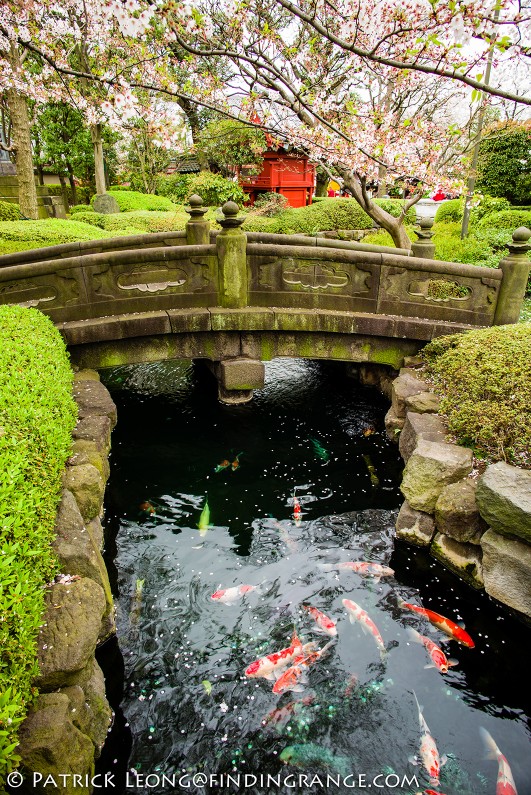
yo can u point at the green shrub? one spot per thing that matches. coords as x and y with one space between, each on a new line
174 186
394 207
48 231
145 221
120 187
260 223
214 189
451 210
83 192
81 208
487 205
133 200
37 416
506 219
270 204
9 211
90 217
484 379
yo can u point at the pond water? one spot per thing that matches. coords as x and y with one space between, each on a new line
313 438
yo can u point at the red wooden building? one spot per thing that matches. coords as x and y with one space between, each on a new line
289 174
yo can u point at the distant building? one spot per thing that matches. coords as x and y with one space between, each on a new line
287 173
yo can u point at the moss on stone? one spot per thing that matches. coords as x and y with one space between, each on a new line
484 378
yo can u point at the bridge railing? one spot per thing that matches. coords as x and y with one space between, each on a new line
228 269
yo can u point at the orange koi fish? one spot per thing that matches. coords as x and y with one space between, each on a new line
281 715
323 622
230 595
356 613
296 510
365 568
369 431
236 463
297 674
224 464
269 666
505 784
147 508
437 656
446 625
429 755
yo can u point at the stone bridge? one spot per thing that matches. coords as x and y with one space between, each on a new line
239 299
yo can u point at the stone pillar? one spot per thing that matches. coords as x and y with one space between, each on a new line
231 246
424 246
197 228
237 378
515 268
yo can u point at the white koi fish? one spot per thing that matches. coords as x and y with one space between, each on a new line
324 623
429 755
363 567
505 784
230 595
357 613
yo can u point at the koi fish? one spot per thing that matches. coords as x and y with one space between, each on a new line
323 622
236 463
230 595
375 481
356 613
281 715
369 431
429 755
365 568
269 666
320 451
446 625
312 755
297 673
220 467
505 783
204 519
146 509
296 510
352 683
437 656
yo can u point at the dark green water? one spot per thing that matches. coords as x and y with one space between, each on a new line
187 704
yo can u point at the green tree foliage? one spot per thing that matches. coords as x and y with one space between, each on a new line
145 158
225 144
504 166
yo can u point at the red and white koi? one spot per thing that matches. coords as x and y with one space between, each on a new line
280 716
446 625
268 667
365 568
230 595
296 510
429 755
505 783
437 656
357 613
297 674
324 623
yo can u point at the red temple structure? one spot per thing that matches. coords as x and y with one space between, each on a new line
289 174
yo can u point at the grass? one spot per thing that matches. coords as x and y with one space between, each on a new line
37 415
484 379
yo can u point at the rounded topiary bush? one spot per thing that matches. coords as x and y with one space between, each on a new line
49 231
133 200
81 208
506 219
394 207
9 211
95 219
451 210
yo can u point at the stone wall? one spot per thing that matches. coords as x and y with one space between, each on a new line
477 525
66 728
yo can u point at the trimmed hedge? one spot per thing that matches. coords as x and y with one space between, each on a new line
506 219
48 231
134 200
37 416
451 211
326 215
81 208
484 379
9 211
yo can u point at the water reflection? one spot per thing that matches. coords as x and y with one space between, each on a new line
187 699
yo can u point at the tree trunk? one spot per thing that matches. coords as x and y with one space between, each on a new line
21 142
321 184
95 132
395 226
64 190
40 174
72 182
382 182
190 111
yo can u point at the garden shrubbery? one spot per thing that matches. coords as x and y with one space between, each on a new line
133 200
37 416
9 211
506 219
81 208
450 211
48 231
484 379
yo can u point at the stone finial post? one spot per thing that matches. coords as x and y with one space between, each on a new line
515 267
231 246
197 229
424 246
